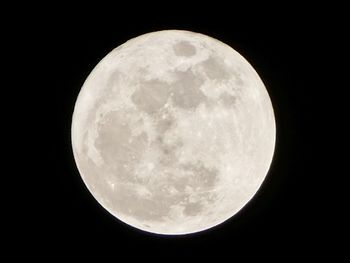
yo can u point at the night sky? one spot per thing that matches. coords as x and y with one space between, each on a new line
283 220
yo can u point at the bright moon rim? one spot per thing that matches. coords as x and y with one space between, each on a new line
173 132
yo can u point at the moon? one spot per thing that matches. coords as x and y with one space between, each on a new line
173 132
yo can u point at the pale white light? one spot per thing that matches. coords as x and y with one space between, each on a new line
173 132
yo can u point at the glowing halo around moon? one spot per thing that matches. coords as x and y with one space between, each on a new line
173 132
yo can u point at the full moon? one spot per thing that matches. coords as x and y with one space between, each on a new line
173 132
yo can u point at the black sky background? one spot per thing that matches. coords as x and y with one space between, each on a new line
283 221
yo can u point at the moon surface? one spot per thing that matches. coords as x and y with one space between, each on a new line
173 132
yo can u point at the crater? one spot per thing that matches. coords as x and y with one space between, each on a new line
184 49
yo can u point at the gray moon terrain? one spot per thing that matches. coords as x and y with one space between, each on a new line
173 132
